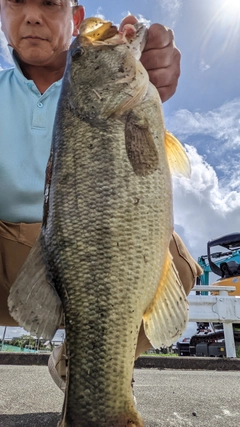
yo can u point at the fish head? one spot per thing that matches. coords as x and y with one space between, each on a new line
105 62
97 30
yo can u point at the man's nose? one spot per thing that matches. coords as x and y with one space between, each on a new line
32 14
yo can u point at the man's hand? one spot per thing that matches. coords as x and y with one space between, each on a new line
160 57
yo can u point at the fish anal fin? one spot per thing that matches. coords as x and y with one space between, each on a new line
177 157
33 301
166 318
140 146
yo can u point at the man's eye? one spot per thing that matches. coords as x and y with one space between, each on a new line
16 1
50 3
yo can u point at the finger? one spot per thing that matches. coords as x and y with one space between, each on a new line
131 19
164 76
161 58
165 80
159 36
166 92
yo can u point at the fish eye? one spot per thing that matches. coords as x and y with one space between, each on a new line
77 53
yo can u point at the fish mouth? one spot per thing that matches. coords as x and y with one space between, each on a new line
132 35
96 29
136 37
97 32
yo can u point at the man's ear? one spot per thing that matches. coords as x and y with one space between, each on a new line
78 17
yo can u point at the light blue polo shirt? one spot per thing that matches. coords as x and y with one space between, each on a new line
26 123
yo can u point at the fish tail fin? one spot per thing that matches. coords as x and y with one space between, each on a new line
33 301
167 316
128 421
177 157
129 417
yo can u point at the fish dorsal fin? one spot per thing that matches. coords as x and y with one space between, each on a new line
166 318
33 301
177 157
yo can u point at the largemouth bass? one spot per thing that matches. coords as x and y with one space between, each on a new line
102 257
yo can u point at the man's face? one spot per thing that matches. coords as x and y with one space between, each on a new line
39 30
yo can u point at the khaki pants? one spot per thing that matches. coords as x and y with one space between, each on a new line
16 241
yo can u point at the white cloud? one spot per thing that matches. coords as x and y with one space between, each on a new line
203 208
172 9
223 123
140 18
99 13
145 21
204 66
216 134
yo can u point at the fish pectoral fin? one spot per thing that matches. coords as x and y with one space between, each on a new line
140 146
166 318
177 157
33 301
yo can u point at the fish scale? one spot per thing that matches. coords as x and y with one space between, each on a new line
110 257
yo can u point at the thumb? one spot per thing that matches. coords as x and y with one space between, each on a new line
130 19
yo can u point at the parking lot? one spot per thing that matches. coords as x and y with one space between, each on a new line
169 398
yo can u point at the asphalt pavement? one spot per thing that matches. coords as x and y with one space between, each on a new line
169 398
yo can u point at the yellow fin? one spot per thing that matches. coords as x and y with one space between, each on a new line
166 318
177 156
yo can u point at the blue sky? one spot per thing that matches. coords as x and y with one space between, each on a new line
205 111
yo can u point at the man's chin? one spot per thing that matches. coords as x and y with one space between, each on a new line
35 58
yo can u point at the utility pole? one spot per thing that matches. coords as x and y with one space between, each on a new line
3 338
